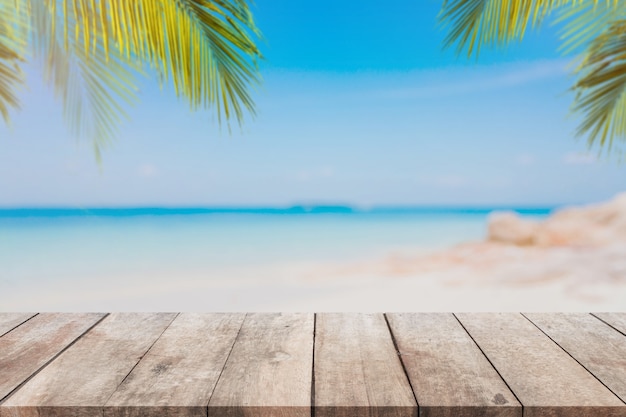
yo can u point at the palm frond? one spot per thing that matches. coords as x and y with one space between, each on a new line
91 49
205 47
585 21
91 84
601 88
13 31
477 23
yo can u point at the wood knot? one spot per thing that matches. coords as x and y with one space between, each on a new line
499 399
278 356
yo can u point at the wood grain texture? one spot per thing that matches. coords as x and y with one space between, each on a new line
545 379
449 374
261 365
597 346
617 320
9 321
32 345
269 371
177 377
80 381
357 369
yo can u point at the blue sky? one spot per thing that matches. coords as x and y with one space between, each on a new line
359 105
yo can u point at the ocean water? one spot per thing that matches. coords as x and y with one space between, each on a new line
66 254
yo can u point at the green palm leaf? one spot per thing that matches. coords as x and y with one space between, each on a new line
204 46
91 87
91 50
13 32
585 21
475 23
595 27
601 88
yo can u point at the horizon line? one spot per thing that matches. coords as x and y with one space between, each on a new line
60 211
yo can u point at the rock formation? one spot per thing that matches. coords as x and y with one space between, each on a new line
594 225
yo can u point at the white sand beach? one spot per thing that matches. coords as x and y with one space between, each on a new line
573 261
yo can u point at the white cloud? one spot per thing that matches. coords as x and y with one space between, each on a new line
444 181
525 159
579 158
481 79
319 173
147 171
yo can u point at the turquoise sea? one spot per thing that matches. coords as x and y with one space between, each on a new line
52 252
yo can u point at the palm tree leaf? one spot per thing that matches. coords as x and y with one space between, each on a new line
475 23
13 30
205 47
586 20
92 48
92 84
601 88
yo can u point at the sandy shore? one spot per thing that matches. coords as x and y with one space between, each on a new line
470 277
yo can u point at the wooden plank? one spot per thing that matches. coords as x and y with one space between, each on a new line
357 369
545 379
80 381
597 346
449 374
32 345
269 371
617 320
9 321
177 377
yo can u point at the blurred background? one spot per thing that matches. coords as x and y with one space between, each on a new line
370 179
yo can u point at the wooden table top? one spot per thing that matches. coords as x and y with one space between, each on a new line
312 365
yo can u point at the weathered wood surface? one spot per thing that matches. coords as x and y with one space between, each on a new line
27 348
80 381
449 374
305 365
177 376
269 371
9 321
616 320
545 379
357 370
595 345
